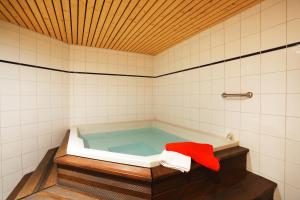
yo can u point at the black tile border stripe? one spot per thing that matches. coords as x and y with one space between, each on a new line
162 75
231 59
71 72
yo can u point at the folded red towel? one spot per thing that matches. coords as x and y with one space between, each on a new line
201 153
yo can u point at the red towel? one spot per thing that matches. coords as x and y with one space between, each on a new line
201 153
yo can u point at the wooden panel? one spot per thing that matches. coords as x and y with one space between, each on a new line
74 17
67 19
61 193
81 19
33 12
36 179
18 188
44 12
60 18
19 11
133 172
105 10
140 26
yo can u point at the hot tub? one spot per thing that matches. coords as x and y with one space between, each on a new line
137 143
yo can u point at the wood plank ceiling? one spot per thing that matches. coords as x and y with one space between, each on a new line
142 26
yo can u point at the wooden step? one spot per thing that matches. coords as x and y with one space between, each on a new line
251 187
44 176
19 187
60 193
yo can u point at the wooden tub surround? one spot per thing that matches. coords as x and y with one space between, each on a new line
71 177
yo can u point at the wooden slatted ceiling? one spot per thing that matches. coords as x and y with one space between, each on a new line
142 26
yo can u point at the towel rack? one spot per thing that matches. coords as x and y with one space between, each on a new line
247 94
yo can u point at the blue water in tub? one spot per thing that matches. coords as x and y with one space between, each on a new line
141 142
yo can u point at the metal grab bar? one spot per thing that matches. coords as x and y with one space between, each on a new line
248 95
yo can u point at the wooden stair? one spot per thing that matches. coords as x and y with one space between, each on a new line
58 177
44 176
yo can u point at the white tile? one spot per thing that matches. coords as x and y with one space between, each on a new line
232 20
44 141
250 65
11 165
217 86
292 176
250 122
10 102
28 116
273 37
291 193
205 57
217 53
218 71
28 74
10 87
43 76
273 104
250 44
272 167
9 71
233 49
293 58
250 11
29 159
293 81
293 106
293 7
29 131
250 84
273 125
293 31
217 38
268 3
232 32
233 85
10 118
205 74
204 43
10 134
253 162
250 25
29 145
28 102
232 119
232 68
9 53
251 105
10 181
217 102
292 128
11 149
292 151
273 62
273 15
9 37
28 57
28 88
273 83
250 140
272 146
218 117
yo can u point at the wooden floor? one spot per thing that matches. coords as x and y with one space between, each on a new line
61 193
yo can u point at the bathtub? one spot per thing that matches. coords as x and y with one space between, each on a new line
77 147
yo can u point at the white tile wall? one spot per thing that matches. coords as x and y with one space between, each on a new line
268 124
37 105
